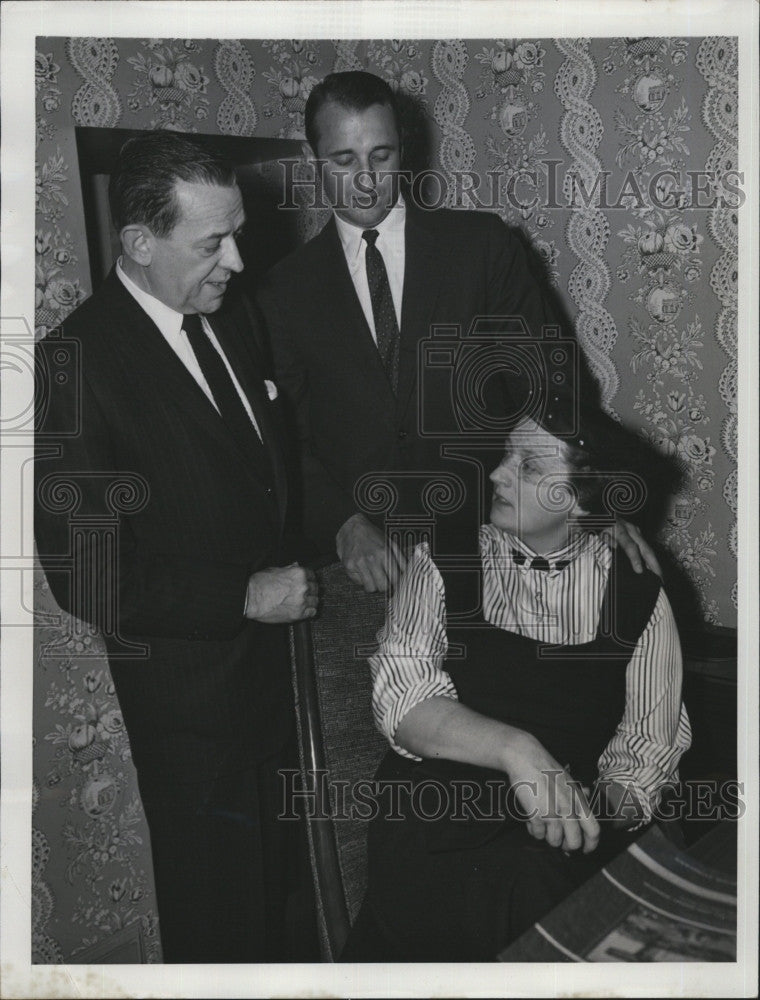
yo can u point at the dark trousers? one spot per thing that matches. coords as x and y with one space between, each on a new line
461 905
225 866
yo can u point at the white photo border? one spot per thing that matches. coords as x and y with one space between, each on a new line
22 22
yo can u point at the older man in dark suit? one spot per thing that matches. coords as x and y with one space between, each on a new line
175 399
350 316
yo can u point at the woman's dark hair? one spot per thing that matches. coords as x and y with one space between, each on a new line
354 90
609 463
141 189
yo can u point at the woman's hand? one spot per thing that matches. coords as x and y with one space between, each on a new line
556 806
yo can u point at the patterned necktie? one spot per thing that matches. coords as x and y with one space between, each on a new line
223 390
383 311
538 562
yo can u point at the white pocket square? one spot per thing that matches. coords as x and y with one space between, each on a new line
271 389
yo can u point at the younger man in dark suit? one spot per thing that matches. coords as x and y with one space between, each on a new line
350 316
177 426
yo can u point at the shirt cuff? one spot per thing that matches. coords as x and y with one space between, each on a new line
633 790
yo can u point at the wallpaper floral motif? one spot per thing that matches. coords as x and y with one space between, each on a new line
169 84
86 800
590 146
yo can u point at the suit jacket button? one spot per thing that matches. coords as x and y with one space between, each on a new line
268 491
402 435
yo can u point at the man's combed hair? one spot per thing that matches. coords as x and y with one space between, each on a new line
141 189
354 90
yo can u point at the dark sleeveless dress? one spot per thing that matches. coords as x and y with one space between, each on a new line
463 882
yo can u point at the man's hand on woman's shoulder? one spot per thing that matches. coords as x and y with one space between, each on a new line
635 546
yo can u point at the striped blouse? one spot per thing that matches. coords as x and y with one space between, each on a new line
561 605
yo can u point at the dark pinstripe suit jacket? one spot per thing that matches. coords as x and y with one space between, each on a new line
213 688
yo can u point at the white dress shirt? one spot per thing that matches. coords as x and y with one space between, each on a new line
560 606
169 322
390 243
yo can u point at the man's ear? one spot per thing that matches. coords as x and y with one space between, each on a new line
137 244
311 157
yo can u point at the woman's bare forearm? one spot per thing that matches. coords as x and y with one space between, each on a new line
442 727
556 810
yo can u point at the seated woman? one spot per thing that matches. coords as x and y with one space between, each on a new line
551 674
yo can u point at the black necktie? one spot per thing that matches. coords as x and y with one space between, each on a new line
223 390
538 562
383 311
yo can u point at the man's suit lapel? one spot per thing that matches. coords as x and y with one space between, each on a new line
238 345
424 270
145 344
160 364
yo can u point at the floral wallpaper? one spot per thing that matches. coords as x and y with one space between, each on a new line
615 158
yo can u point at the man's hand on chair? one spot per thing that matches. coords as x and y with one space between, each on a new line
368 559
282 594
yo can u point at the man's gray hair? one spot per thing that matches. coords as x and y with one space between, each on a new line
141 189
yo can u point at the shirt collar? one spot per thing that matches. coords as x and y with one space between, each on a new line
351 236
502 543
168 320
